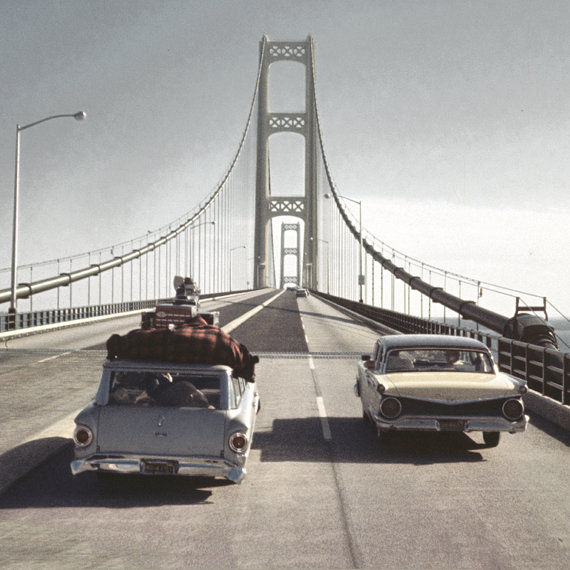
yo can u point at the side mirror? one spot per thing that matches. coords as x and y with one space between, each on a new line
365 357
370 364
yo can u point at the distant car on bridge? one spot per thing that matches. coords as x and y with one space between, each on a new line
301 292
167 419
185 305
438 383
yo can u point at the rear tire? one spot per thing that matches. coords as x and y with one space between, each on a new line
491 438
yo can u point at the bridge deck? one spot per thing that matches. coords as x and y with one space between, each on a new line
320 491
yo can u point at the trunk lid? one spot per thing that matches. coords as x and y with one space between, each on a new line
450 386
161 430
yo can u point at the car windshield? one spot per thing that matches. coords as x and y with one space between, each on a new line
431 359
164 389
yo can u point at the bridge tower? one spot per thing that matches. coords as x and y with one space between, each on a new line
290 251
304 123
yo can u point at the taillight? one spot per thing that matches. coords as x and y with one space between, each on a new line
82 436
238 442
390 408
513 409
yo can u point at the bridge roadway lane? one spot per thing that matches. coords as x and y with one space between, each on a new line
320 491
46 378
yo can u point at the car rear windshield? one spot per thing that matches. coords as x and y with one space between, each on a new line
426 360
165 389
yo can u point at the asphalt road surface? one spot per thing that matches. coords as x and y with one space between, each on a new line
320 491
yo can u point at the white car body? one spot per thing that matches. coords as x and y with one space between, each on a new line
127 430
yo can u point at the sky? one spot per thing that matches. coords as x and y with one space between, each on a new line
448 119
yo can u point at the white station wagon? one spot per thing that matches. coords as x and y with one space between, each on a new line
438 383
167 419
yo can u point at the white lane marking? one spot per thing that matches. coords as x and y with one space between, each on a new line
240 320
53 357
324 419
311 363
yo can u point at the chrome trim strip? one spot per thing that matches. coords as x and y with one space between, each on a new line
431 423
514 395
187 466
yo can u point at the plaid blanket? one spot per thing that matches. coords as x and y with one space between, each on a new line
194 342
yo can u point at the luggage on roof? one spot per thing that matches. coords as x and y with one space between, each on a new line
194 342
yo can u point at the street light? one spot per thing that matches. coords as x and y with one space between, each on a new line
360 275
14 276
233 249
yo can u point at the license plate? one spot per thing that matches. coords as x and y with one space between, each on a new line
159 467
451 425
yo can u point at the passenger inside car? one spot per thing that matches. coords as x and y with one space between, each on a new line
452 360
398 362
183 394
162 389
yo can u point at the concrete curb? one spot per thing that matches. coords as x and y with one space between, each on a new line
34 450
22 459
547 408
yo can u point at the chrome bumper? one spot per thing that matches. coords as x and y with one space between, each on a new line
185 466
443 424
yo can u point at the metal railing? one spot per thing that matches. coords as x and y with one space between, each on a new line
547 371
404 323
10 322
22 321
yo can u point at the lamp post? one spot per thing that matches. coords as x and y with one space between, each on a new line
360 274
233 249
14 275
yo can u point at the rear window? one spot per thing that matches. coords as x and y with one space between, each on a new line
165 389
426 360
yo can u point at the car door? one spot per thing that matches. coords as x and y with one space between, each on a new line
369 383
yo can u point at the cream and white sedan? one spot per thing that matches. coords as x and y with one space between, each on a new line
438 383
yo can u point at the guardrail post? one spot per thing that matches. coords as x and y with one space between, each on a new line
565 375
11 321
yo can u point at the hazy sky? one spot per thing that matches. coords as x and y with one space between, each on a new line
450 120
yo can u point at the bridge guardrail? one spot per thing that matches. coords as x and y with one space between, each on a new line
22 321
547 371
10 322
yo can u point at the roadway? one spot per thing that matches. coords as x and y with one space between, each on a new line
320 491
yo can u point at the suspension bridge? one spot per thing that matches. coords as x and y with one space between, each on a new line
316 478
243 235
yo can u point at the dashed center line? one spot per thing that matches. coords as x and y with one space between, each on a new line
53 357
324 419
